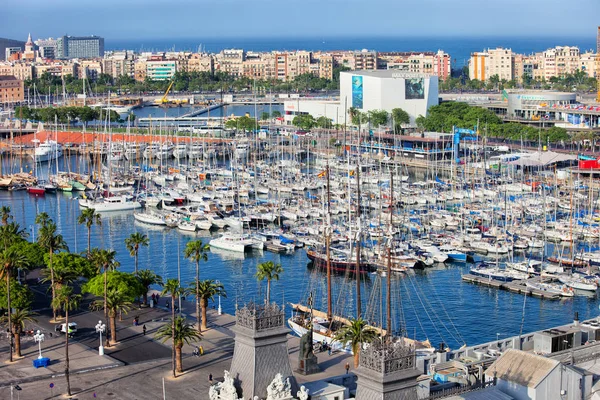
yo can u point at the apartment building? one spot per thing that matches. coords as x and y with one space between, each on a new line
484 65
429 63
11 89
158 69
364 60
230 61
121 63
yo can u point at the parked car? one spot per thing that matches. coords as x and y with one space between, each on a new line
62 328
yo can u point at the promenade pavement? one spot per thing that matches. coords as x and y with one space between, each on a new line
134 367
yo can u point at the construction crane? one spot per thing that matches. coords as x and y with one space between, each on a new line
164 99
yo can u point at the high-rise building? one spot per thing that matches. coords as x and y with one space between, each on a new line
47 48
79 47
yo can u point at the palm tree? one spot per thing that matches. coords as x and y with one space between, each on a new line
133 243
207 290
11 260
356 334
148 278
11 233
269 271
117 303
89 217
51 241
18 320
104 261
5 213
58 276
174 289
67 301
197 251
180 332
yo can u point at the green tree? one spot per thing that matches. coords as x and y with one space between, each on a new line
52 242
133 243
18 318
67 301
5 213
197 251
21 298
122 288
304 121
180 332
207 290
265 116
89 217
104 260
378 118
147 278
399 118
269 271
10 261
276 114
355 334
323 122
175 290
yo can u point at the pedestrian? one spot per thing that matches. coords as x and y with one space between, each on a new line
201 350
157 298
347 367
210 378
144 329
329 350
153 297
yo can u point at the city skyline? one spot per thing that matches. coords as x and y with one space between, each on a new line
138 19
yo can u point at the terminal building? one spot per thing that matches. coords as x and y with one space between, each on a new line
559 109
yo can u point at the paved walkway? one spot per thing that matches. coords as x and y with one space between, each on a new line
134 368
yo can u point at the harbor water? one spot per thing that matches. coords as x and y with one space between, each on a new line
432 304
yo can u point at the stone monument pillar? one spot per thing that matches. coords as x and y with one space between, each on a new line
261 350
307 361
387 372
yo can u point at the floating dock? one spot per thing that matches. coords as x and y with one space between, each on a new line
514 286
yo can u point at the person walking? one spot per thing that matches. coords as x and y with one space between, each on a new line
144 329
210 378
347 368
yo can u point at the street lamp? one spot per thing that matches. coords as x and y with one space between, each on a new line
39 338
100 328
219 307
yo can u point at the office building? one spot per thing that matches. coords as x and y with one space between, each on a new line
160 70
79 47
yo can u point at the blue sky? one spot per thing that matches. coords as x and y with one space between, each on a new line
138 19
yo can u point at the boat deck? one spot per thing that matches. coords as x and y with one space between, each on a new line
514 286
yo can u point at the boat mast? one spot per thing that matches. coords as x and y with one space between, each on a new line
327 243
389 259
358 237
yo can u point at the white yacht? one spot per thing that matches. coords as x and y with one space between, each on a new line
47 151
134 150
114 203
150 218
180 151
235 242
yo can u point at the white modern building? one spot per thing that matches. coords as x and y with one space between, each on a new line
316 107
388 89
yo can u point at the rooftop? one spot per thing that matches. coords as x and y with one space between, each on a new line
523 368
386 73
7 78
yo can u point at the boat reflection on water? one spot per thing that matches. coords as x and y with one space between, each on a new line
228 255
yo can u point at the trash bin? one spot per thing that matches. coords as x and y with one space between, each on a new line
41 362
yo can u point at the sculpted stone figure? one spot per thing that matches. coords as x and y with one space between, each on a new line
279 389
